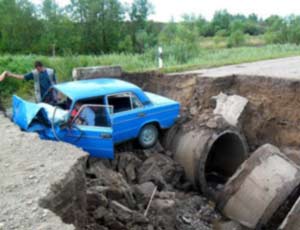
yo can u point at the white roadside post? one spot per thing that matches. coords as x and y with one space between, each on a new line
160 57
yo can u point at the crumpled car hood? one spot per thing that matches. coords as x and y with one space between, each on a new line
34 117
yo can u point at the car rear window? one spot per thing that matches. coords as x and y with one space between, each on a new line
124 102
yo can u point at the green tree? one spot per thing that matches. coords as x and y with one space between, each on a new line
59 32
100 24
277 30
237 31
221 21
19 28
236 38
168 33
139 12
293 34
237 25
180 40
202 25
125 45
253 25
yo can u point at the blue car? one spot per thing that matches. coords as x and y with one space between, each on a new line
97 114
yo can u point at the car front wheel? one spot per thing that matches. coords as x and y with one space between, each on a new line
148 136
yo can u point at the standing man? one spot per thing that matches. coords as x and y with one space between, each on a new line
43 78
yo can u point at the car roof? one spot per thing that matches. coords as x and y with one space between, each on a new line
82 89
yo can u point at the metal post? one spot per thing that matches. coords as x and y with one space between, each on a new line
160 57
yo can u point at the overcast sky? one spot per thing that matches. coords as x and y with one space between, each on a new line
166 9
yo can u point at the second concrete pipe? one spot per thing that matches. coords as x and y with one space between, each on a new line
262 190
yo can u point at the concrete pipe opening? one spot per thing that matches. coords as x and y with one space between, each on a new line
226 154
208 156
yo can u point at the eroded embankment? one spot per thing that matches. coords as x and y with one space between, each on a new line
272 114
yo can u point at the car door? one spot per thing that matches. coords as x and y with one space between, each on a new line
128 115
96 139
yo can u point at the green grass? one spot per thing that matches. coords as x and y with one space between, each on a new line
204 58
219 42
219 57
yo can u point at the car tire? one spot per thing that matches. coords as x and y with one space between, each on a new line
148 136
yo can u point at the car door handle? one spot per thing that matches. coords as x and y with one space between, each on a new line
106 136
141 114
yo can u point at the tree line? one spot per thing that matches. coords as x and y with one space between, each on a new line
108 26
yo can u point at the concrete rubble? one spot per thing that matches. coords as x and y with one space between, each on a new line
115 201
231 108
82 73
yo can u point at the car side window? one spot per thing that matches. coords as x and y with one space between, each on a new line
124 102
93 115
136 103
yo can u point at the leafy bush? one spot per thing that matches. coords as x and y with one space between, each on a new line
236 38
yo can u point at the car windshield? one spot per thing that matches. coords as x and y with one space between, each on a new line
56 98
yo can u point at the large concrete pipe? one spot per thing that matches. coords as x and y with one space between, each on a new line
209 156
258 190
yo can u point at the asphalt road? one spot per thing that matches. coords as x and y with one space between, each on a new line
277 68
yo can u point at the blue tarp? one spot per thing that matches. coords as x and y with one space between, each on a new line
35 117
